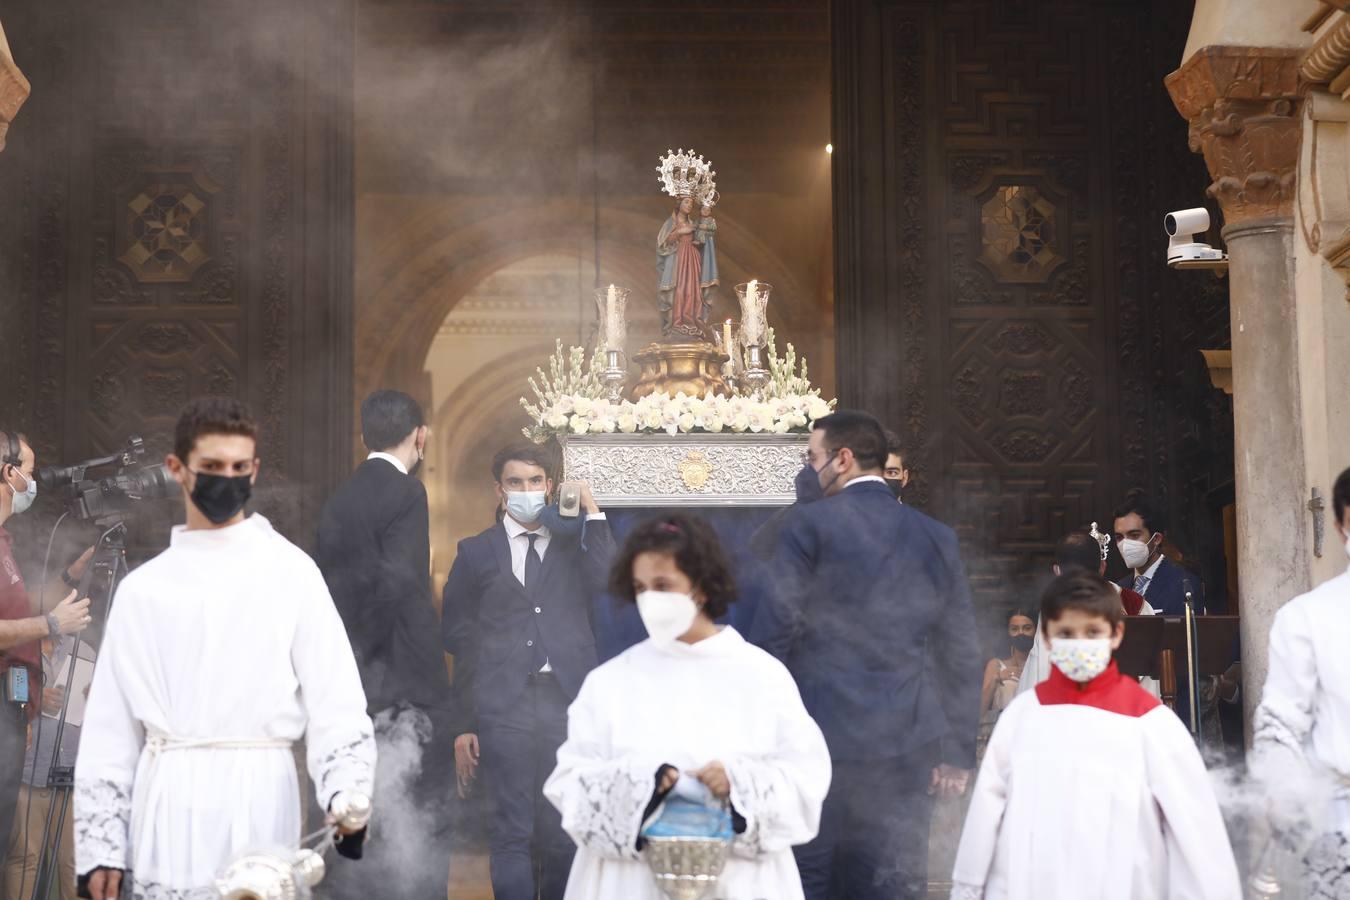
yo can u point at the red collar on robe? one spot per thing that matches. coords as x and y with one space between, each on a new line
1109 691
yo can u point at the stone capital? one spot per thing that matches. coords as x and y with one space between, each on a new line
1242 104
14 88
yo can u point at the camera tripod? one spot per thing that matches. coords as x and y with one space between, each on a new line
105 571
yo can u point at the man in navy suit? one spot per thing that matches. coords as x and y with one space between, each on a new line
873 617
1140 532
517 617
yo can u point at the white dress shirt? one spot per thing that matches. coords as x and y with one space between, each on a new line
392 460
1148 573
862 479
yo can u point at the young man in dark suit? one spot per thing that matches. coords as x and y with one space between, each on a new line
872 615
374 549
517 617
1140 533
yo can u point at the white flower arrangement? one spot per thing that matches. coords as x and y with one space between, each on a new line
570 401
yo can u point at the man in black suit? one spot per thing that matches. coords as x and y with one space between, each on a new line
1141 531
374 549
873 617
517 616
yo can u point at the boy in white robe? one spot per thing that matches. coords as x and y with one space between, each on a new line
218 655
1090 787
1301 739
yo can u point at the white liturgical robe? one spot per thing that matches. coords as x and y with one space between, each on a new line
219 653
1093 790
1301 729
720 699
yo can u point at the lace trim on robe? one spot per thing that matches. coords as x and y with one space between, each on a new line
154 891
103 824
962 891
755 795
606 816
1326 868
347 766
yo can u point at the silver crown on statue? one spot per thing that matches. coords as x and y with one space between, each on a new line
688 175
686 868
271 875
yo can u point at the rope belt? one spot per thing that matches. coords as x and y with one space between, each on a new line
157 744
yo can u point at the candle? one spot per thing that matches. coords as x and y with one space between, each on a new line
726 336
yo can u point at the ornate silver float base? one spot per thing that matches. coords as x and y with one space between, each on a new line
637 470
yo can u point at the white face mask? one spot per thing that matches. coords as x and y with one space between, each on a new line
1081 659
1136 553
666 615
23 501
1347 546
525 506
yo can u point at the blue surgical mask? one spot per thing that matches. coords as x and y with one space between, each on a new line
23 501
525 506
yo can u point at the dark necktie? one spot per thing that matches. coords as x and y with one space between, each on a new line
533 565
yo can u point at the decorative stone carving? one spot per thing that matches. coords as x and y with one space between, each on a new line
1242 104
14 88
1324 189
646 470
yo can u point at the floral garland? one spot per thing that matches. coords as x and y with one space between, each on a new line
570 401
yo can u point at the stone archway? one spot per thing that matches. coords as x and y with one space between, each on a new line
422 270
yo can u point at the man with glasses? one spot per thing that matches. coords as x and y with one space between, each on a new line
869 590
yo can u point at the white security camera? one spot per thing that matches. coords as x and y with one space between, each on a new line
1183 251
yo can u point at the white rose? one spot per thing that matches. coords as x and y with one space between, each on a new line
817 409
556 420
740 422
601 426
579 425
686 423
583 406
565 405
627 422
781 426
715 424
652 421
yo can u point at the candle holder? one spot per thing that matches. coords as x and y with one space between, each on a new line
611 308
754 300
615 375
754 377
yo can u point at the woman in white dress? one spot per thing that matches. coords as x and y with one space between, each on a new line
694 700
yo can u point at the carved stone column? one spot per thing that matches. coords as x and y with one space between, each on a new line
14 88
1243 105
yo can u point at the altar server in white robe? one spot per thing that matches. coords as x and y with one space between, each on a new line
696 700
1301 729
1090 787
218 655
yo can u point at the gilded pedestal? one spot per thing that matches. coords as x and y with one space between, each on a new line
692 368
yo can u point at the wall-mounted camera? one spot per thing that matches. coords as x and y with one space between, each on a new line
1183 250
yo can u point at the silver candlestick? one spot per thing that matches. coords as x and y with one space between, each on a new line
755 377
614 376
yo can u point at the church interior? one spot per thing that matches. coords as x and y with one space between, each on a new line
959 204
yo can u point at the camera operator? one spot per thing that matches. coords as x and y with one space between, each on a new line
23 624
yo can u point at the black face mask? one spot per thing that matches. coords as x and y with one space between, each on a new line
220 497
895 486
807 486
1022 643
